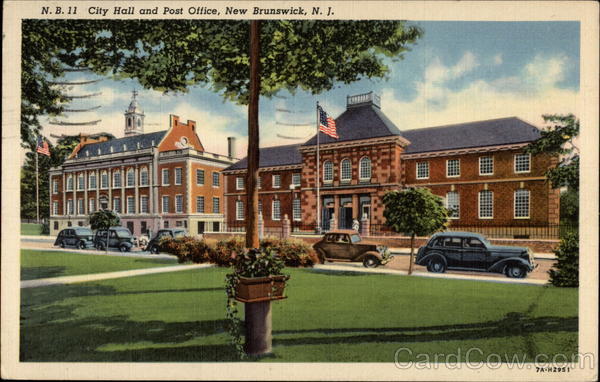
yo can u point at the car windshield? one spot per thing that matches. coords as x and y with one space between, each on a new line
123 233
355 238
179 233
84 232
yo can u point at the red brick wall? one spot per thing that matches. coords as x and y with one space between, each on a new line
207 190
172 190
176 132
56 197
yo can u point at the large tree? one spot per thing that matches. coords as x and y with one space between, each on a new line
240 60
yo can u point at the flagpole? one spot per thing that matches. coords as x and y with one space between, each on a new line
318 229
37 187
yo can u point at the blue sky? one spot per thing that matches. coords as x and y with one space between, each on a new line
458 72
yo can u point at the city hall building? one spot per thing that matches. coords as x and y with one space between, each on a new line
152 180
479 168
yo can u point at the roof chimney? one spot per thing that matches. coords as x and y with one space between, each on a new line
231 147
369 98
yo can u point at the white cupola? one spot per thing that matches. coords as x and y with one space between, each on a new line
134 117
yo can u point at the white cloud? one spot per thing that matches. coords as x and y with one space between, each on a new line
497 59
528 95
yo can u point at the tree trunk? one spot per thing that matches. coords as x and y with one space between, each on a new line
252 240
412 249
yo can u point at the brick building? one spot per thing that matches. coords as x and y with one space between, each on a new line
479 168
153 180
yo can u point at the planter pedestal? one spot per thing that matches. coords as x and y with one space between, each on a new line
258 328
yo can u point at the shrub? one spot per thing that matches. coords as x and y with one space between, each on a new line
565 272
186 249
293 252
225 250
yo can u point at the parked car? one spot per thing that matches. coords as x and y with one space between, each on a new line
79 237
348 246
473 252
118 237
154 244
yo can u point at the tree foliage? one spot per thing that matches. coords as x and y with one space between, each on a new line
163 55
569 206
558 139
414 211
565 272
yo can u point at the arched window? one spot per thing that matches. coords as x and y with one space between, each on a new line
144 176
117 178
328 171
129 122
346 172
139 122
70 183
104 179
365 168
130 178
92 180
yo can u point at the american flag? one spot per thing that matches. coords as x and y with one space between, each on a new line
326 124
42 147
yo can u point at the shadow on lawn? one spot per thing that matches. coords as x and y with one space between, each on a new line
32 273
52 332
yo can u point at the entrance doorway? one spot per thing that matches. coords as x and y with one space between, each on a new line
327 212
345 218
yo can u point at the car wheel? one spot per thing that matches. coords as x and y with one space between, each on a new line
123 248
321 256
371 262
62 244
100 247
154 250
515 271
81 245
436 265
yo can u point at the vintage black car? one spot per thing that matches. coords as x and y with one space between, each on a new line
473 252
347 246
118 237
79 237
154 244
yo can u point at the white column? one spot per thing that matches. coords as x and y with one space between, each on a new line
86 180
123 181
136 183
64 192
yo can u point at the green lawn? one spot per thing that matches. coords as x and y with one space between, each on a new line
328 317
31 229
41 264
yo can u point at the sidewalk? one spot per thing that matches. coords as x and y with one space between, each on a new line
107 275
360 269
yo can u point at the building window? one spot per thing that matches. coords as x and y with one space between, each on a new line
103 202
165 176
452 168
200 177
522 204
144 176
276 210
260 207
328 172
55 187
216 181
239 210
116 179
522 163
143 204
80 182
166 224
104 179
165 204
276 181
70 207
216 206
346 171
365 168
486 165
239 183
216 227
91 205
453 204
130 178
80 207
117 205
178 176
54 208
296 179
200 204
422 170
70 183
131 205
179 203
297 210
486 204
92 181
259 182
